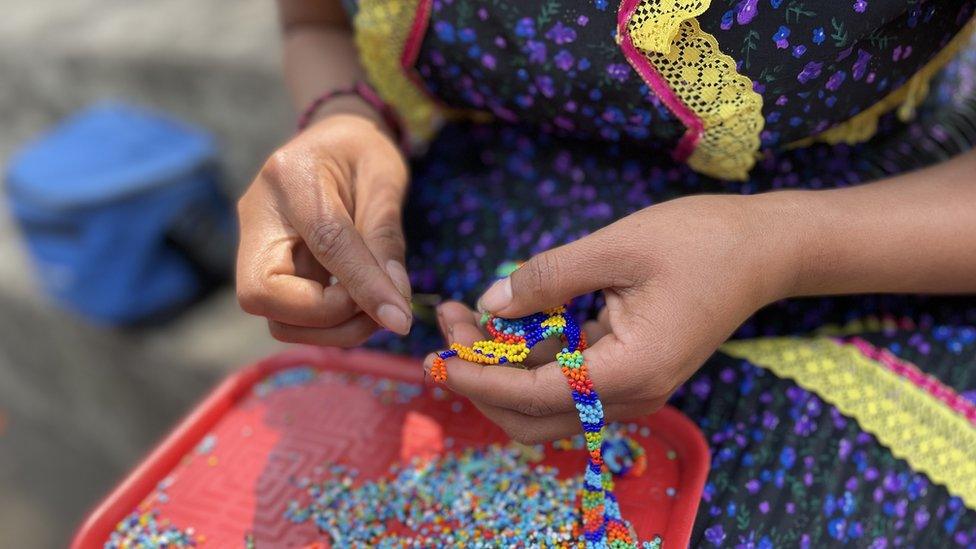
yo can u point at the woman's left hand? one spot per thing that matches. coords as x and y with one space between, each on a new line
678 279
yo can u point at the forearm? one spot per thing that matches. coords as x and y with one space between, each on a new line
320 55
914 233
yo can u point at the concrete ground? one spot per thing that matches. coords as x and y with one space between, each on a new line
79 405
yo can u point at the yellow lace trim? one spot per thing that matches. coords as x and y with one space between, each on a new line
382 28
862 126
915 426
706 81
658 22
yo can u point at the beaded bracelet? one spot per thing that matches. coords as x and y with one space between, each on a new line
365 92
513 339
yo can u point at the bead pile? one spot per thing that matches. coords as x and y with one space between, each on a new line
145 529
479 497
512 341
485 497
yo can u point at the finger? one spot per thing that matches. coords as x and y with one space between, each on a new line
550 279
538 392
266 281
306 266
543 352
452 314
460 324
603 318
379 220
327 229
351 333
467 332
302 302
532 430
542 391
458 317
594 331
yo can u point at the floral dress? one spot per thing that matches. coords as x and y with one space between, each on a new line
843 420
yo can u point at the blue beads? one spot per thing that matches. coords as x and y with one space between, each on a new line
525 333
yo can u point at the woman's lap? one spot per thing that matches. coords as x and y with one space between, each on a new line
788 468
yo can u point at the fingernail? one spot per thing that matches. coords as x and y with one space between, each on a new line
394 318
498 296
399 276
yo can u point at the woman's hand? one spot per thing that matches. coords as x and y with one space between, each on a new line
678 279
327 207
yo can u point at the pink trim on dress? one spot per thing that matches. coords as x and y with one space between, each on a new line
920 379
694 127
411 51
418 29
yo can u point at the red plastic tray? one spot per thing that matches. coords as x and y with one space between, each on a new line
229 468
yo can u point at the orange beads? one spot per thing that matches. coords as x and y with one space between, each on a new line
438 370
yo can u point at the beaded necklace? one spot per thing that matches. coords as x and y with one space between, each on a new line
513 339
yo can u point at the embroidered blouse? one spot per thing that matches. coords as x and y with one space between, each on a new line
712 84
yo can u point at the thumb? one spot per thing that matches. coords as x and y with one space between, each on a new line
551 279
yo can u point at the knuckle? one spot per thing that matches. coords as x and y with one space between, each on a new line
543 271
251 299
277 166
250 202
388 235
534 405
328 237
242 204
327 317
281 332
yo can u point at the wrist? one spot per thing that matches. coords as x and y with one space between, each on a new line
355 106
791 239
359 100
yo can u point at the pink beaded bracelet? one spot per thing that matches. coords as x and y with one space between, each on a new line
365 92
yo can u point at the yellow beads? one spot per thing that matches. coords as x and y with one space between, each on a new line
491 352
554 322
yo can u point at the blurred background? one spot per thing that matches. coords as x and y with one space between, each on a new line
83 397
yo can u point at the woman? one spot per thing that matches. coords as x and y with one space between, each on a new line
632 150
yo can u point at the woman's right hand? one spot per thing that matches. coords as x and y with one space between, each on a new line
327 207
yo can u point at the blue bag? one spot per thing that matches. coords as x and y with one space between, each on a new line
122 213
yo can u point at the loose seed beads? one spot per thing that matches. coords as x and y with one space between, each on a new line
146 529
513 339
476 498
624 457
